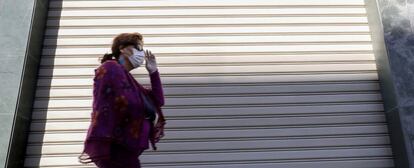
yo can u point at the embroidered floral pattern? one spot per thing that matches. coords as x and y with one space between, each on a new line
125 85
135 128
94 118
121 103
108 91
101 71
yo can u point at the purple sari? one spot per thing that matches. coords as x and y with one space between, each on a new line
118 126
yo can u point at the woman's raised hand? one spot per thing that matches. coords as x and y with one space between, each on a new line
150 62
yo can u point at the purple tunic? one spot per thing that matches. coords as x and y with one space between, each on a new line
118 113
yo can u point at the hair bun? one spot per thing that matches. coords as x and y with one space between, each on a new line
107 56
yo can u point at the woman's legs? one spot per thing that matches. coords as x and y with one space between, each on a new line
120 157
107 163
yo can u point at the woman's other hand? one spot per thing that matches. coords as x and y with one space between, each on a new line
150 62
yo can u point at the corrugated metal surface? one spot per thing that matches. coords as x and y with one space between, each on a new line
254 83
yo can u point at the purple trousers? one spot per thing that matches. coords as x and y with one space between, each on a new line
123 158
120 158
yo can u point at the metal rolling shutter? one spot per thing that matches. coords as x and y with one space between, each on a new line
253 83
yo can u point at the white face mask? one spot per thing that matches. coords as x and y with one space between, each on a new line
136 59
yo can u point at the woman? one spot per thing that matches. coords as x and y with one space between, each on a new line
119 130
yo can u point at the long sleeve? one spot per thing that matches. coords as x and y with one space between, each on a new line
156 91
156 88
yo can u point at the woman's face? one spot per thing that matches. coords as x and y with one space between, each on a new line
127 52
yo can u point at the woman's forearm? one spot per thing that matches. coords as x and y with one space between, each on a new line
156 88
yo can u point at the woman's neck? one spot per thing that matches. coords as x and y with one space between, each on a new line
127 65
